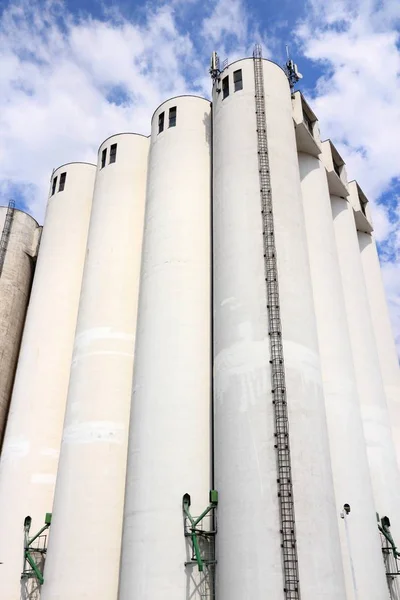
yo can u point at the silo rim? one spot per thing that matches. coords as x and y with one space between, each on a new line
121 133
179 96
24 212
251 58
73 162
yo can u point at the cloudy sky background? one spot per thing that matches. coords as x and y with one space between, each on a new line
74 72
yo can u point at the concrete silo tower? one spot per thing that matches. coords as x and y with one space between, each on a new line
19 244
277 520
384 471
388 358
31 446
364 571
169 439
90 486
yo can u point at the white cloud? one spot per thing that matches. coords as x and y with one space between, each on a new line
59 76
356 44
67 82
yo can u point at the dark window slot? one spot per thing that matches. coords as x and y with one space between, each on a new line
63 177
172 116
337 169
161 122
238 80
53 189
307 122
225 87
113 153
103 158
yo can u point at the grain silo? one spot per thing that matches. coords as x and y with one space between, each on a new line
252 317
388 358
30 453
383 467
169 443
352 482
19 244
272 462
91 477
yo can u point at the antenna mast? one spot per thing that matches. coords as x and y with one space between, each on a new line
215 71
291 70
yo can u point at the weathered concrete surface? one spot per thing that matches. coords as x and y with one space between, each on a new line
15 287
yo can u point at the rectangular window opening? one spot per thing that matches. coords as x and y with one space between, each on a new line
307 122
113 153
238 80
337 168
172 116
103 158
160 122
53 189
63 177
363 205
225 87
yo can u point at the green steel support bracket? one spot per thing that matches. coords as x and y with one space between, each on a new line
385 531
29 558
28 545
194 533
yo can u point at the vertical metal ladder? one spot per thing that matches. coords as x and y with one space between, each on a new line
5 236
284 481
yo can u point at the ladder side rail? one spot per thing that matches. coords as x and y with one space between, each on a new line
282 446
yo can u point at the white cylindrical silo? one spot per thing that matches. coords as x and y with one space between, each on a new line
169 439
388 358
248 541
377 431
361 546
90 486
31 446
20 236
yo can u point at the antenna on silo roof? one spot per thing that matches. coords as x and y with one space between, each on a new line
291 70
215 71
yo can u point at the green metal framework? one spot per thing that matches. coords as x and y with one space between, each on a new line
195 530
33 567
390 557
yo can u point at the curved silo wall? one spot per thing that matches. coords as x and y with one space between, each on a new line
15 287
388 357
169 441
364 570
29 459
244 452
90 486
377 431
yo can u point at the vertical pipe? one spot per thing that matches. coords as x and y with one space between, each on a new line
245 461
377 432
89 496
169 437
31 446
388 358
361 548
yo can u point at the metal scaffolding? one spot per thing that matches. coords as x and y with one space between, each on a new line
282 446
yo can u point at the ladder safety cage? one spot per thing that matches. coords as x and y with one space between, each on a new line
5 235
282 446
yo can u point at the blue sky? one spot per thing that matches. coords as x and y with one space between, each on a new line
72 73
